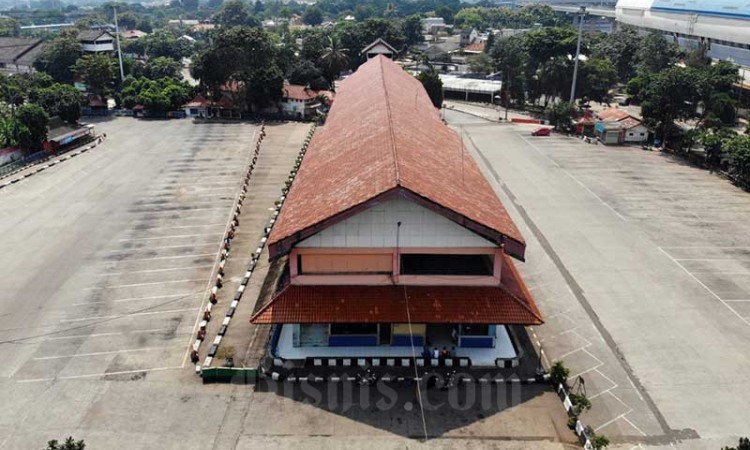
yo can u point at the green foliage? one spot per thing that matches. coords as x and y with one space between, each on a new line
58 58
97 71
481 63
621 49
411 27
69 444
526 17
62 100
598 76
306 73
334 59
162 67
234 13
31 127
433 85
313 15
9 27
559 373
356 36
245 57
580 403
656 53
738 149
598 441
743 445
165 43
165 94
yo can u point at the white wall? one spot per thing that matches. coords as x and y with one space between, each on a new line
376 227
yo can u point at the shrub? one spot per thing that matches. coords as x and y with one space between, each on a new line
559 374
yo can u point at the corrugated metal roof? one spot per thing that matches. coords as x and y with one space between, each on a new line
383 135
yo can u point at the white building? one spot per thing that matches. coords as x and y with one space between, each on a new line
96 41
722 25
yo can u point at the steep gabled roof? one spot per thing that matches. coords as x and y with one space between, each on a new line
378 41
383 137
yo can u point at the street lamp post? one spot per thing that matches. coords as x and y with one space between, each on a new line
581 15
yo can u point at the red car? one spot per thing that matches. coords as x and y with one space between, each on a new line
541 132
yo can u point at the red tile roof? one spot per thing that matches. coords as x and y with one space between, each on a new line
612 114
299 92
382 135
510 303
477 47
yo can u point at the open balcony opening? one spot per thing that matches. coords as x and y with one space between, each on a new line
441 264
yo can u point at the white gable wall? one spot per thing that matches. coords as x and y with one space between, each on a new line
376 227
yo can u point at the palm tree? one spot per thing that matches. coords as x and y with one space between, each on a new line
334 60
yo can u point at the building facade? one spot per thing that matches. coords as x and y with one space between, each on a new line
391 243
96 41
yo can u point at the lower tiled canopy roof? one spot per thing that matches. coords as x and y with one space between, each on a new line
511 304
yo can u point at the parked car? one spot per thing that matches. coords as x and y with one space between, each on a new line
541 132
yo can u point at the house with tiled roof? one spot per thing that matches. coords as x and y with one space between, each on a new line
392 242
617 126
302 102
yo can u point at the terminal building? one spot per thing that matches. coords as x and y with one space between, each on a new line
723 26
392 244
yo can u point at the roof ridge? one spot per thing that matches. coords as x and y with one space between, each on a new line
390 120
534 311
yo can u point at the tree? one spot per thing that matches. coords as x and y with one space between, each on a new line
620 48
561 115
244 57
489 42
433 85
314 43
356 36
167 44
738 149
162 67
234 13
32 127
445 12
58 57
334 59
656 53
313 15
62 100
308 74
69 444
670 96
481 63
97 71
510 58
412 28
598 77
743 445
9 27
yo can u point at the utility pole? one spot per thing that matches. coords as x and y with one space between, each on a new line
581 15
119 50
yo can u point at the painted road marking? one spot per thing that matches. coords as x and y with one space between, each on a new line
83 319
83 355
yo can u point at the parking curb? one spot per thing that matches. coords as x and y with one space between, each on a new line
255 256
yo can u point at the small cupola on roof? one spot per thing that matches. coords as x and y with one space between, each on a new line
379 47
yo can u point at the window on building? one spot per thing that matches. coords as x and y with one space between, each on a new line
475 329
354 328
438 264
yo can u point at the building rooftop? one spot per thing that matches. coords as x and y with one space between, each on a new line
383 139
18 50
510 303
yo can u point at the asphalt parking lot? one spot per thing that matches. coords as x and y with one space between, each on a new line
640 264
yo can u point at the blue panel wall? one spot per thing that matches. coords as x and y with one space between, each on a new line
352 341
401 340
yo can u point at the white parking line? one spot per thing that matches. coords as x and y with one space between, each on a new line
153 270
118 286
195 255
160 248
95 375
706 287
83 319
134 299
178 226
172 211
82 355
173 236
78 336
